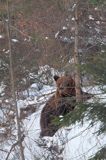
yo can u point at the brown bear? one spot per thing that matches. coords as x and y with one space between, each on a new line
58 104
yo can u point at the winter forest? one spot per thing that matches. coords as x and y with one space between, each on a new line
45 44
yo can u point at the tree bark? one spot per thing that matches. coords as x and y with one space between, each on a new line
76 59
19 135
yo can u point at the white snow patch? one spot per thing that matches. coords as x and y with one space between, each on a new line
14 40
3 50
91 17
97 22
96 8
65 28
1 36
7 51
46 37
2 87
56 35
71 60
73 18
28 39
73 6
102 51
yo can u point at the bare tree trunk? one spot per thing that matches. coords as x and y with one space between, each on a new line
76 59
13 86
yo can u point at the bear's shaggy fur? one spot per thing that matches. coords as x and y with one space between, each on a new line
61 103
58 104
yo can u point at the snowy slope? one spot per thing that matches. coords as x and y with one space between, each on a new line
76 142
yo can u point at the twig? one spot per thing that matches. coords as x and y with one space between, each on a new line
13 146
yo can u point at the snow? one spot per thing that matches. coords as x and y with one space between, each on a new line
102 51
14 40
65 39
2 87
1 115
73 6
73 18
97 22
1 36
6 20
96 8
7 51
4 50
56 35
71 60
91 17
77 141
97 30
72 28
32 132
46 37
65 28
82 143
28 39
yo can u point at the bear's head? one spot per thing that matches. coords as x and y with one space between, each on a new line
65 86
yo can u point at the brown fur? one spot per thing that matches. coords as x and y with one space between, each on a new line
65 87
58 104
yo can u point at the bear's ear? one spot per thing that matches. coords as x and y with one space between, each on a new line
56 77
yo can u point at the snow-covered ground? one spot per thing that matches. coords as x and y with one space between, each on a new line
76 142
